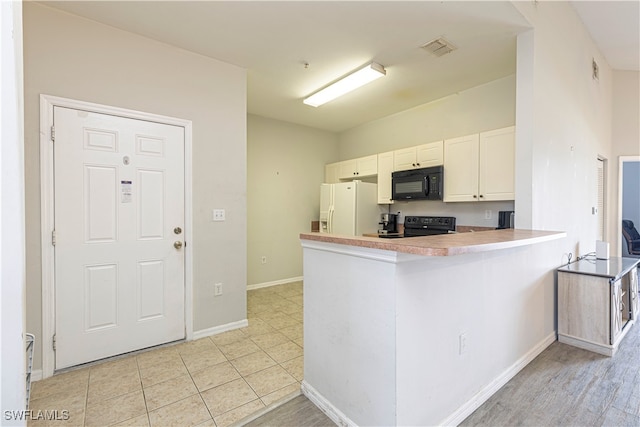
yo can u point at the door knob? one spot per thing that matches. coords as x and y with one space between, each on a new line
177 244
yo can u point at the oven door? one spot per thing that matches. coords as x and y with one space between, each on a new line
407 185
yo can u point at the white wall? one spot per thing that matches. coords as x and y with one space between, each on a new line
12 259
76 58
285 167
485 107
567 117
483 214
626 113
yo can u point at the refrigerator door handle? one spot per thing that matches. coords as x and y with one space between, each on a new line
330 220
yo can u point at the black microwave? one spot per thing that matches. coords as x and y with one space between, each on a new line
417 184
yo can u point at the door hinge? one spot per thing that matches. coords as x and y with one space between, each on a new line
53 133
53 237
54 342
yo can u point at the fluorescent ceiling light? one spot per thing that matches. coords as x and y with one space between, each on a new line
358 78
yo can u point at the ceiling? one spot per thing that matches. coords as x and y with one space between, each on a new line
615 28
291 49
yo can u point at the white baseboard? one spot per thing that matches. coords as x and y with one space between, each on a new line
274 283
220 329
36 375
325 406
490 389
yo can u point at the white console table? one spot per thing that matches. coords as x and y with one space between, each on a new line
597 303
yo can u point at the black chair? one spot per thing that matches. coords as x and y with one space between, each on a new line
632 237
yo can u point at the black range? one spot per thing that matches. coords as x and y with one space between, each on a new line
415 226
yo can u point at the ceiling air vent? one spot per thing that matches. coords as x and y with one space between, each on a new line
439 46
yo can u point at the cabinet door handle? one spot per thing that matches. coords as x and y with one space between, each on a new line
418 164
481 195
475 197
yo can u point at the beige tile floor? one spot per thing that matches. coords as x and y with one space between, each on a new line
214 381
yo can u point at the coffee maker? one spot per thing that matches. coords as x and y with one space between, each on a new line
388 223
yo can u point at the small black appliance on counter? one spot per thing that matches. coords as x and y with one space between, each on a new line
506 219
388 223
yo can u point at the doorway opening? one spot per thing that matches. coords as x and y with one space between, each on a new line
629 204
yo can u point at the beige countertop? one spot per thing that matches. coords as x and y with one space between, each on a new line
444 244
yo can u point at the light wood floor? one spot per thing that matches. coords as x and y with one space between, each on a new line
563 386
298 412
567 386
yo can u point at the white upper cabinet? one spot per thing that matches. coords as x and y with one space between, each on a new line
404 159
358 168
497 164
431 154
461 169
480 167
385 168
477 167
421 156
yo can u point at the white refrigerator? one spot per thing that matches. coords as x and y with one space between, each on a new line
349 208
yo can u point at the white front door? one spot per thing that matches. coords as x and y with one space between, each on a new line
119 231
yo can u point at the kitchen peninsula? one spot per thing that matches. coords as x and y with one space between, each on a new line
422 330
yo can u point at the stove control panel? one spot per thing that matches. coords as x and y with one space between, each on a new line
446 223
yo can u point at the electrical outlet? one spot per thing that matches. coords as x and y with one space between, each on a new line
218 215
264 259
217 289
462 340
487 214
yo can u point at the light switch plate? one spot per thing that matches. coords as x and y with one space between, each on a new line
218 215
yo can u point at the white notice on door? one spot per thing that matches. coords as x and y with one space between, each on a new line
126 196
